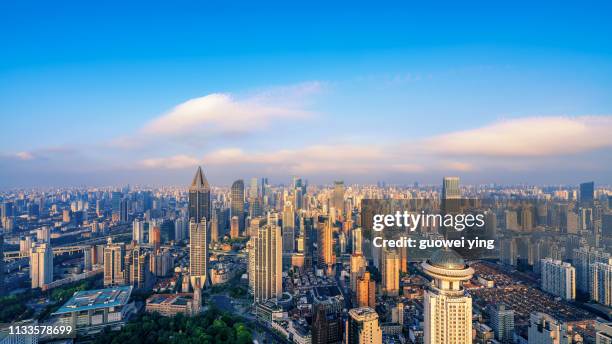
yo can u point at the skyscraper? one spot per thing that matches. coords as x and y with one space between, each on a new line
601 279
237 202
583 258
198 253
268 261
502 322
234 227
114 254
288 228
138 231
199 197
559 278
448 310
41 265
390 273
325 243
366 291
338 196
587 193
362 327
450 188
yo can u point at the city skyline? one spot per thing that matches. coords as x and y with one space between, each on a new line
416 94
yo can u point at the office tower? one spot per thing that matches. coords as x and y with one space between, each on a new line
237 202
606 224
326 325
604 332
198 253
357 240
123 210
140 274
116 197
288 228
338 196
199 198
390 274
87 259
448 310
138 231
502 322
587 193
180 229
154 234
114 254
450 188
601 279
559 278
41 265
268 261
234 227
362 327
508 251
7 209
366 291
325 243
214 227
358 267
250 246
583 258
544 329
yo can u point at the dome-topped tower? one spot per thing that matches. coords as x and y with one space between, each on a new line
447 259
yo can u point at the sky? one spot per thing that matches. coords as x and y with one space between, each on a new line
142 93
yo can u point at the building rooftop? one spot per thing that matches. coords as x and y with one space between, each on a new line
447 259
95 299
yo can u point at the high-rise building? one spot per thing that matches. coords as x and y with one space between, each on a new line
325 243
601 279
583 258
268 261
154 234
138 231
338 196
288 228
362 327
123 210
390 273
237 202
358 267
214 227
366 291
502 322
357 240
448 310
587 193
558 278
114 255
544 329
235 227
326 325
450 188
139 268
198 253
199 198
41 265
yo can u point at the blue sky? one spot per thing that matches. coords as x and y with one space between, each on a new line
359 91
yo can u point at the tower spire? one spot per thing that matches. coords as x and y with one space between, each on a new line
199 180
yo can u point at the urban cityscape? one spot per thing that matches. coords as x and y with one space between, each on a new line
309 172
293 263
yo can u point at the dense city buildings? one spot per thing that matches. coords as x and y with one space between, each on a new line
310 272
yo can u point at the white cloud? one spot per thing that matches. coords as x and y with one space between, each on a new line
24 156
172 162
527 137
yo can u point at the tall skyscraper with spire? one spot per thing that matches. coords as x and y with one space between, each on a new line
448 310
199 197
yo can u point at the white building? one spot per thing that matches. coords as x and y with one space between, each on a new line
559 278
363 327
41 265
448 309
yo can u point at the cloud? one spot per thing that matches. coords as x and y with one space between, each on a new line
172 162
24 155
527 137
